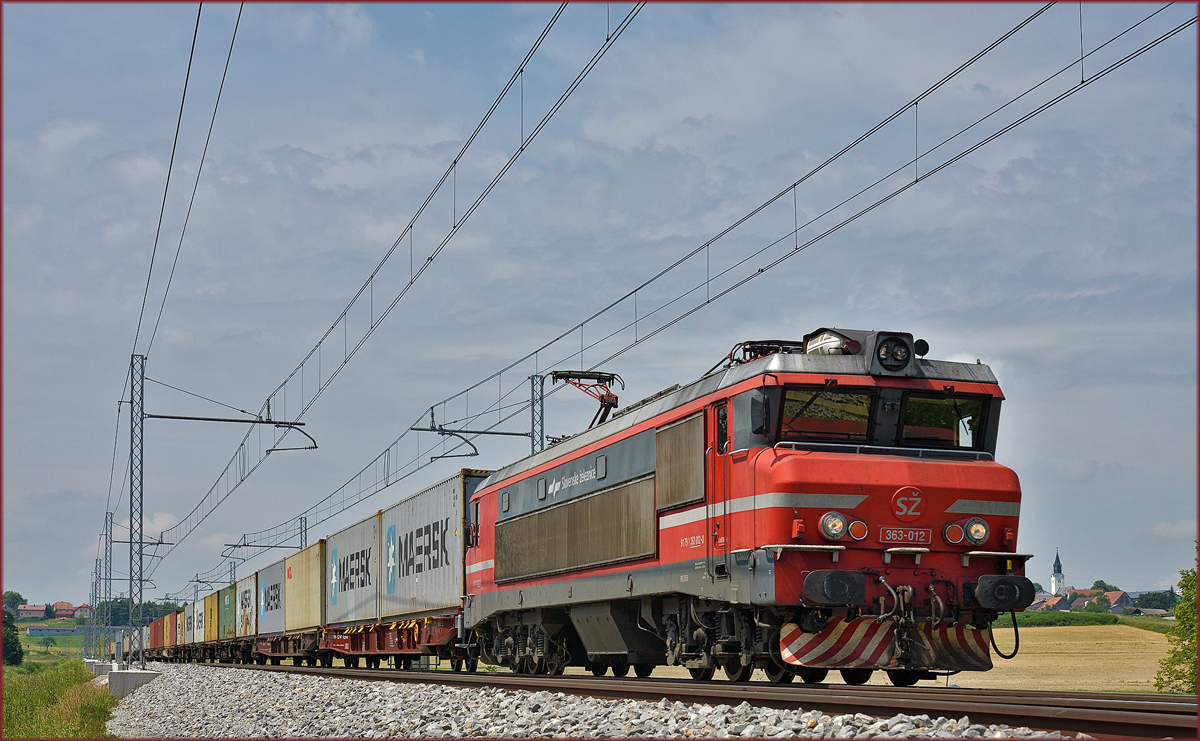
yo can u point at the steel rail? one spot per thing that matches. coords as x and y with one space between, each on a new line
1093 713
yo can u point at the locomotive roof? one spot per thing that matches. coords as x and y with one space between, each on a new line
858 365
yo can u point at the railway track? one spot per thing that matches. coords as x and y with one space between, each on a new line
1094 713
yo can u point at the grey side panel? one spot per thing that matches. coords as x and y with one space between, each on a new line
746 585
270 599
614 464
612 526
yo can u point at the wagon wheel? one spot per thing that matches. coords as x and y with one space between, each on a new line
903 677
620 668
643 670
856 676
472 665
813 676
598 670
702 675
777 673
735 672
456 665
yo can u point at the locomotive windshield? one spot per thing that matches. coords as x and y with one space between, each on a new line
942 421
826 414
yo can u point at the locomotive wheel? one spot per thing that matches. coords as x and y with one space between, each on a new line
736 672
813 676
902 677
558 670
599 670
538 666
702 675
856 676
472 665
456 665
643 670
778 674
620 669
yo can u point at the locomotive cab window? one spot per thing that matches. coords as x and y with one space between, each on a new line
828 414
938 421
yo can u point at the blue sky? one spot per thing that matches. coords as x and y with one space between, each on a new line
1063 254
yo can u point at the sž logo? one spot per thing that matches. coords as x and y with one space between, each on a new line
425 548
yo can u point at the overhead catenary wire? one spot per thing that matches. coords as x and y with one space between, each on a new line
286 527
238 463
196 185
281 531
167 187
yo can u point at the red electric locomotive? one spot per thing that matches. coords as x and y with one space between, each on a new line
825 504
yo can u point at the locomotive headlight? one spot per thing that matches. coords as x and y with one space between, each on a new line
893 353
833 525
977 531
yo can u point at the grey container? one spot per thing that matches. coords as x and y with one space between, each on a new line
269 604
423 550
352 574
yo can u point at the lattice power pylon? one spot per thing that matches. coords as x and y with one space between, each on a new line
137 385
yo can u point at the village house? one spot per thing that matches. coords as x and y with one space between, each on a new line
31 612
84 611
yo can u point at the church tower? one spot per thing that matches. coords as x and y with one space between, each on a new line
1057 583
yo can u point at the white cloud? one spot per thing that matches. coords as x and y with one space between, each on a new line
1179 529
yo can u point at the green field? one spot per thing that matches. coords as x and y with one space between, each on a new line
54 701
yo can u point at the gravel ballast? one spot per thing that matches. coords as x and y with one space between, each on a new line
206 701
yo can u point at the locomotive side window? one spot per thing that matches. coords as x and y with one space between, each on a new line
723 429
826 414
943 422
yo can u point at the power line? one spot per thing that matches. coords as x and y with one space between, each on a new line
167 187
361 486
196 185
240 466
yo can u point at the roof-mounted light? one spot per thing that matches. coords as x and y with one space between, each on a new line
893 353
831 343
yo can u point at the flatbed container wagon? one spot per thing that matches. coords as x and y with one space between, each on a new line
403 601
303 608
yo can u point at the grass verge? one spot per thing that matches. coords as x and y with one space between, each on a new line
54 702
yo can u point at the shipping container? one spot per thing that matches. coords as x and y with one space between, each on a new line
212 618
423 548
180 624
304 593
352 569
270 600
247 609
227 609
156 635
193 614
